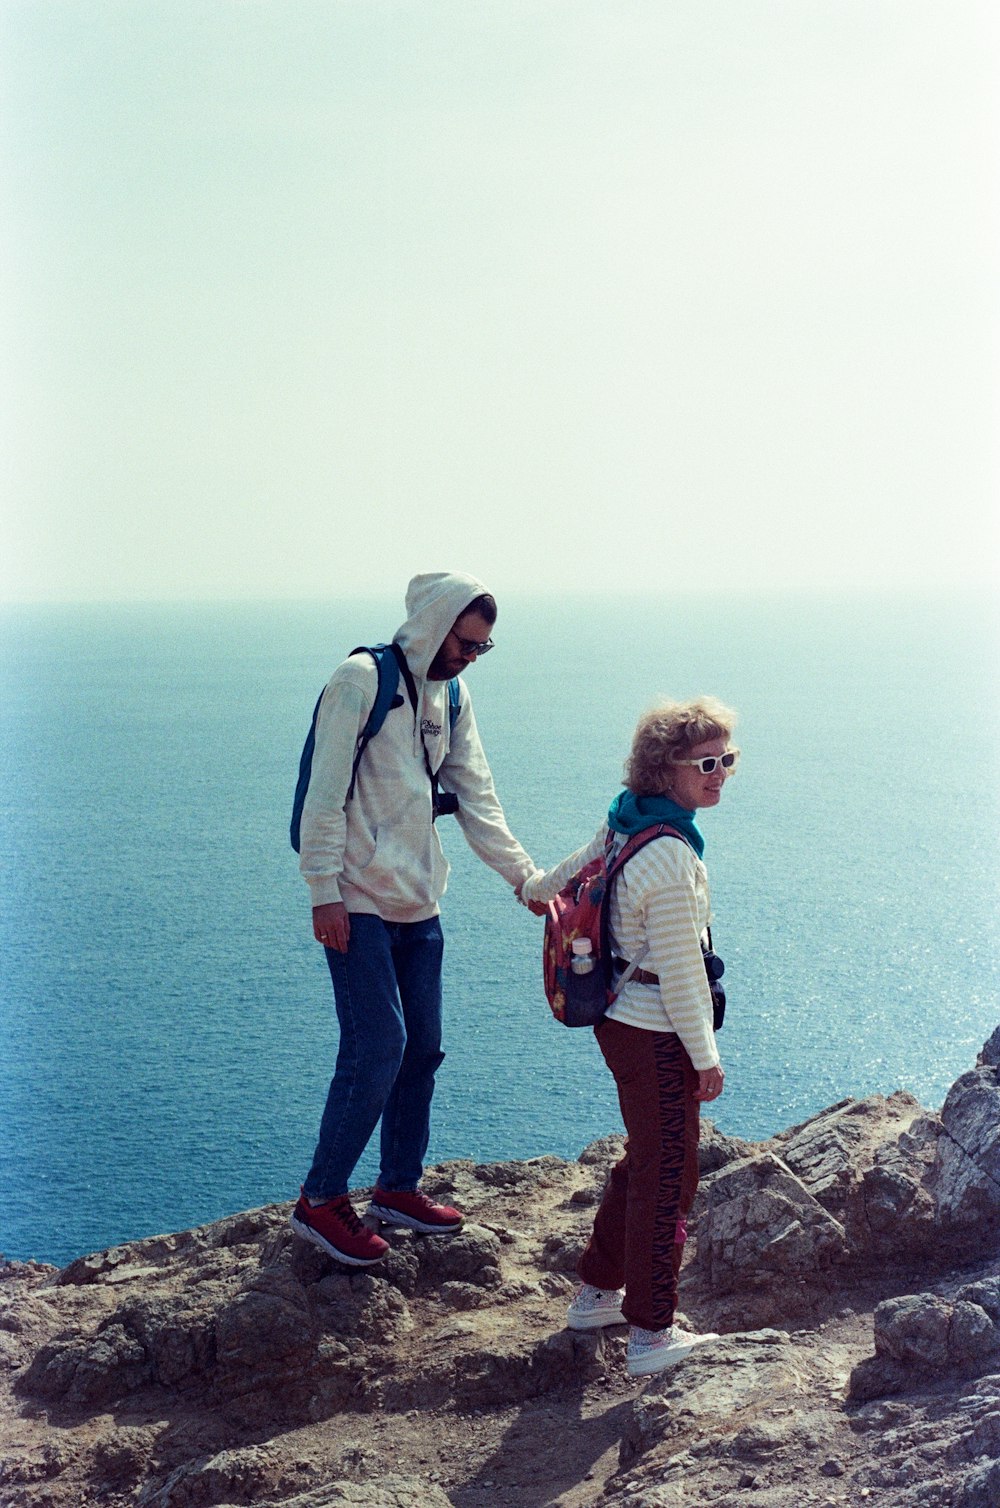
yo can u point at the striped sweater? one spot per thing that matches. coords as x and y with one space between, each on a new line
659 909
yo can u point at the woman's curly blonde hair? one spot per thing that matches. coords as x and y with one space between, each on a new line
668 732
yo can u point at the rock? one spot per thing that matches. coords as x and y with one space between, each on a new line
981 1487
560 1253
366 1306
718 1382
990 1055
891 1220
986 1294
237 1365
972 1335
489 1376
462 1295
28 1273
716 1150
247 1227
122 1456
178 1342
511 1175
90 1268
914 1329
25 1325
920 1334
603 1153
892 1199
87 1371
903 1183
230 1477
978 1424
401 1266
119 1264
35 1466
760 1221
423 1264
878 1377
965 1180
832 1151
265 1329
929 1447
390 1491
470 1256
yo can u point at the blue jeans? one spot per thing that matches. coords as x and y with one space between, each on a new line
387 989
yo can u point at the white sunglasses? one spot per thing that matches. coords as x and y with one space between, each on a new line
707 763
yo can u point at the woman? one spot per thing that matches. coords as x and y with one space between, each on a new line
657 1037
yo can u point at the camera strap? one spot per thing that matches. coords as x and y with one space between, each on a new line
411 691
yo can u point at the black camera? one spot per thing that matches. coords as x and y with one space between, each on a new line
445 804
715 968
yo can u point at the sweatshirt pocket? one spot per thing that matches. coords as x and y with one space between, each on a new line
407 869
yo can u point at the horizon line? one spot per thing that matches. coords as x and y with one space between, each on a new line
680 592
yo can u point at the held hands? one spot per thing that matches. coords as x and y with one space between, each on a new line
709 1083
537 908
332 925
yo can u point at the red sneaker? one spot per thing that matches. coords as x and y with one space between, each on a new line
415 1210
335 1227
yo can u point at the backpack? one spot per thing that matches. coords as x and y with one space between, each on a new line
580 911
389 661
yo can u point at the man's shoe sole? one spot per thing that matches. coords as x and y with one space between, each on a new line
598 1320
410 1222
308 1233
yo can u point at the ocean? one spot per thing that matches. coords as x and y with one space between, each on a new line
167 1030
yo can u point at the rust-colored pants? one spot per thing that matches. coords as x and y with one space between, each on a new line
638 1235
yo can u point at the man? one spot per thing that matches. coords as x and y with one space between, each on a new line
376 870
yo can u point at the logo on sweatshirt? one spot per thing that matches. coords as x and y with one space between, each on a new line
433 729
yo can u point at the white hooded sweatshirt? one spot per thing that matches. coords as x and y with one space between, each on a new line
379 852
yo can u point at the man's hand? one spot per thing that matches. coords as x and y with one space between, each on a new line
709 1083
332 925
537 908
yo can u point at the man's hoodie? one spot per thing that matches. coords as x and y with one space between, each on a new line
379 852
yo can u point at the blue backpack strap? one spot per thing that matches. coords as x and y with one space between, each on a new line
388 683
387 666
302 784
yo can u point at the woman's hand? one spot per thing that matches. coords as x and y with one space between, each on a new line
709 1083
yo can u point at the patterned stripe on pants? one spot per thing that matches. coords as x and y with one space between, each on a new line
638 1235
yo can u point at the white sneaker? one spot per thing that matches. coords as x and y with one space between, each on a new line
593 1308
654 1350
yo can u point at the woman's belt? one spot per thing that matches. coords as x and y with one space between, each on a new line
638 976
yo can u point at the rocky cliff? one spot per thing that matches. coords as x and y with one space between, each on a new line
852 1265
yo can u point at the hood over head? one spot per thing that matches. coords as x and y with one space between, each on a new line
433 602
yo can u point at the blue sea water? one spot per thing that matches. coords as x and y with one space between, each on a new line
167 1031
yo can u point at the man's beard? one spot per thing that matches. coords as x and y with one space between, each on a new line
442 668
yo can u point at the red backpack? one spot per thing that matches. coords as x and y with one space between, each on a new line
580 911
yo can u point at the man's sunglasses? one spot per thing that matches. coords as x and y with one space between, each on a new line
473 646
708 762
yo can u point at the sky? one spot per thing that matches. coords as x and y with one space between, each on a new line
298 299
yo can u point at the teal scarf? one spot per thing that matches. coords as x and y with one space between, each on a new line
630 814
